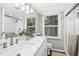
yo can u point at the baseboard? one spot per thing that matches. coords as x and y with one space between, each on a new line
57 50
66 53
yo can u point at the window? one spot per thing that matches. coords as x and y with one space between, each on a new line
51 26
31 25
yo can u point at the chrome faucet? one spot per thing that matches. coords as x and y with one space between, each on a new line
4 44
11 42
3 34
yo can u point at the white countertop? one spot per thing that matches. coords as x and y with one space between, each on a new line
25 48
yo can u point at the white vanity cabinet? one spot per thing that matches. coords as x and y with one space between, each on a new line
33 47
42 51
39 50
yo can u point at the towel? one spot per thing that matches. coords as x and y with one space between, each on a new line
73 45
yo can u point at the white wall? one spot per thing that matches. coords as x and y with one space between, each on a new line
76 11
56 43
70 25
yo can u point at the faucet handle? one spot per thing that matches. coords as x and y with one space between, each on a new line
4 45
16 41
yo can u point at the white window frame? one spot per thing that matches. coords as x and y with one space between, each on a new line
59 26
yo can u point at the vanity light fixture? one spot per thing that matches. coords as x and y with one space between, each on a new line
24 7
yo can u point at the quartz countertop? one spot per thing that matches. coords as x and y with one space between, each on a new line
24 48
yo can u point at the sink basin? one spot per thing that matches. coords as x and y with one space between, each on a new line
28 44
25 45
19 48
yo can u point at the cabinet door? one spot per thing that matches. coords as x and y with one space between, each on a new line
44 53
42 50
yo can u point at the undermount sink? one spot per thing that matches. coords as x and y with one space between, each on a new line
26 44
29 43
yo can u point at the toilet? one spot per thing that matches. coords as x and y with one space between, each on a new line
49 51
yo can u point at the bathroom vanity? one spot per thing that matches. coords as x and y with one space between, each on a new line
36 46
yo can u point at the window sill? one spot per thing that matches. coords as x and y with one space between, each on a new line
52 37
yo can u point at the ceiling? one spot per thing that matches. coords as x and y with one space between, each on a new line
45 8
41 8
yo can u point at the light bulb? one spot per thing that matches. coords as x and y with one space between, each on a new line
27 8
31 10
